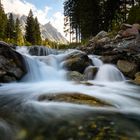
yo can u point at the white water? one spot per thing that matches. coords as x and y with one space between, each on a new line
110 73
96 61
39 71
47 76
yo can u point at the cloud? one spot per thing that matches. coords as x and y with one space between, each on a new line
58 21
22 7
18 6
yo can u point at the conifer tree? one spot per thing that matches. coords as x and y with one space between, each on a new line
18 34
10 29
30 29
37 32
33 34
3 22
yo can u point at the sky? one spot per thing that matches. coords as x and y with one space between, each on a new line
45 10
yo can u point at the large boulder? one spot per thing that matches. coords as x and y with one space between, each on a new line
127 68
76 61
75 98
12 65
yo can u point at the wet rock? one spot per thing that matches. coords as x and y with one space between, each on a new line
76 98
137 78
90 72
12 65
87 83
41 50
75 76
112 59
127 68
76 61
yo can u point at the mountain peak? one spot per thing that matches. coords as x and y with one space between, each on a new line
48 31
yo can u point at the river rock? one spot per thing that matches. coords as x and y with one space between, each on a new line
76 98
41 50
127 68
102 34
76 61
12 65
99 36
128 30
75 76
125 26
111 59
137 78
90 72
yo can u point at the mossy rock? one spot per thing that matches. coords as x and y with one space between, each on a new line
137 78
75 76
76 98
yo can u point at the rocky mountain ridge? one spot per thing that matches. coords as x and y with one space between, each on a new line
47 31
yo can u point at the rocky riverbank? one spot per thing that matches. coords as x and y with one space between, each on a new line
123 50
12 64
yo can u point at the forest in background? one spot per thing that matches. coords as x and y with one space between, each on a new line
82 20
85 18
10 29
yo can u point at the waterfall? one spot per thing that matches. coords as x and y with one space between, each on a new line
95 60
40 71
24 116
41 50
106 72
110 73
36 50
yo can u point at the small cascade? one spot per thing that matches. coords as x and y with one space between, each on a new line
96 61
109 73
39 71
90 72
32 103
22 50
41 51
36 50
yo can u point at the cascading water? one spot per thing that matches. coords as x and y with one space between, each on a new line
41 68
39 71
24 116
110 73
96 61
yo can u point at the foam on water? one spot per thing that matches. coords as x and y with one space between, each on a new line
45 76
108 72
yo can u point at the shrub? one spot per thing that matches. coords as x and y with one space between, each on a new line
134 15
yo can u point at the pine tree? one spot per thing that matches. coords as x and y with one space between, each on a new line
18 34
88 17
30 29
37 32
3 22
10 29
